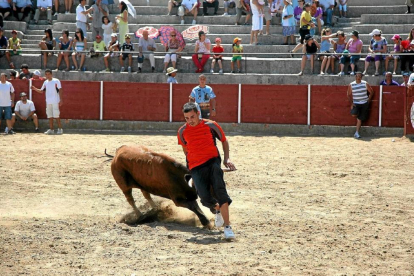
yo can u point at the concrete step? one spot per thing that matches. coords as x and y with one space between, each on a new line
185 64
401 29
387 18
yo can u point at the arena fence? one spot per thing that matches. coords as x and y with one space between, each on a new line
409 113
236 103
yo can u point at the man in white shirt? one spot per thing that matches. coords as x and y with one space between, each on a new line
190 6
54 93
146 46
328 7
25 110
82 15
43 6
6 102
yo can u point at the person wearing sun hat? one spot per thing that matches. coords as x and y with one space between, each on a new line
377 48
394 54
237 48
354 46
171 73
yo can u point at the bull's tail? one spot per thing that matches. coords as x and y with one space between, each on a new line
110 157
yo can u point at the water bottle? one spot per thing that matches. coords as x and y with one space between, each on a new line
84 68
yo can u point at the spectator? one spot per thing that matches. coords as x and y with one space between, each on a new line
3 45
406 78
108 28
44 6
146 46
210 4
354 46
339 47
80 45
15 47
309 51
237 48
65 44
56 7
171 73
409 48
173 47
394 54
6 102
268 15
243 6
377 47
37 76
54 95
21 6
217 56
113 46
172 4
204 96
276 7
25 111
189 6
198 139
326 42
288 23
360 96
14 75
410 82
202 50
5 10
98 11
317 13
257 21
297 11
305 25
328 6
342 8
47 43
126 50
68 6
98 47
25 74
409 4
82 15
389 81
122 21
228 4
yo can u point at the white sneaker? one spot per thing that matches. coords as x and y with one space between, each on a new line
6 130
122 69
60 131
129 69
182 22
225 14
211 71
56 14
49 132
356 135
67 12
194 22
219 221
221 71
228 233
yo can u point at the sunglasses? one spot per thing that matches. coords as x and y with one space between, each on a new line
173 35
77 32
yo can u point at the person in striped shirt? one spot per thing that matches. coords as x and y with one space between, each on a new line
360 94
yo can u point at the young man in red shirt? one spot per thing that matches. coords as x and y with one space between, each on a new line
198 139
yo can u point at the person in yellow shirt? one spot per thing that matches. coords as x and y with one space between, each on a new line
98 46
14 45
305 25
237 48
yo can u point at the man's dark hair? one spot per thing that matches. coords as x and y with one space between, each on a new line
48 71
189 106
24 66
13 73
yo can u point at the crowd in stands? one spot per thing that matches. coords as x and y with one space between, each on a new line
312 19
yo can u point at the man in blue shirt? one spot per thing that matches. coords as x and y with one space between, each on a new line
388 80
204 96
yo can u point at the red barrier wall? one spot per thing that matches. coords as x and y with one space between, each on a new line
330 106
274 104
136 101
20 86
392 106
226 107
408 105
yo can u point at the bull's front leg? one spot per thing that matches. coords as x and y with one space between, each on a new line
148 197
131 201
193 206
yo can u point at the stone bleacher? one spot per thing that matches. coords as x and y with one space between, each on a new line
273 66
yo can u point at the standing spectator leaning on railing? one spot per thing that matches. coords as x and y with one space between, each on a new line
48 43
378 46
172 48
82 15
80 45
21 7
65 44
305 25
44 6
202 51
354 46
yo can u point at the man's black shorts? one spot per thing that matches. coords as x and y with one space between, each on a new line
361 111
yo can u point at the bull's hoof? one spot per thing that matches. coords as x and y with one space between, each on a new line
209 225
133 219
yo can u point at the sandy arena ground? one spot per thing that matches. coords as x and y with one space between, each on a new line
302 206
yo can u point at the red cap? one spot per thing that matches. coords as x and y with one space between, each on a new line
98 36
14 32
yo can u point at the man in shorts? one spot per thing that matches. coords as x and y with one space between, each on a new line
6 102
190 6
198 139
54 93
204 96
25 111
126 53
360 95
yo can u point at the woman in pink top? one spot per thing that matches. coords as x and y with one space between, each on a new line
354 46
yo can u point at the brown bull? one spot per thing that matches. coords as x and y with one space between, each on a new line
154 173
